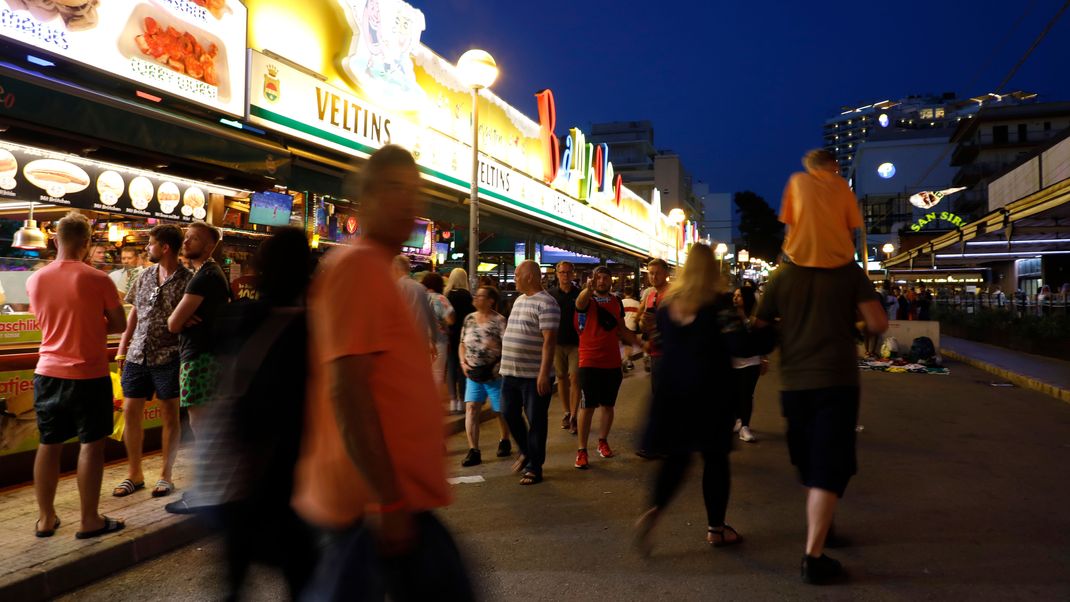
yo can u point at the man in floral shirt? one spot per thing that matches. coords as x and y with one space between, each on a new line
149 357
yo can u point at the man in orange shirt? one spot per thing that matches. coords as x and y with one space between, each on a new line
76 307
821 213
372 465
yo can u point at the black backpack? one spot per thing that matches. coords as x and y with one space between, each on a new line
922 349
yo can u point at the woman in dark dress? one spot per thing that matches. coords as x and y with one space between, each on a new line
461 299
693 409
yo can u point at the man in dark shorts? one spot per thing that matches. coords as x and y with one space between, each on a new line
76 307
599 319
148 358
193 320
816 309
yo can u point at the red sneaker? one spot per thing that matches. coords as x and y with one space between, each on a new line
581 459
603 449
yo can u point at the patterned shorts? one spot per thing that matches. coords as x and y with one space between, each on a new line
197 380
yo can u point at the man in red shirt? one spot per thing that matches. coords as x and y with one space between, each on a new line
600 321
76 307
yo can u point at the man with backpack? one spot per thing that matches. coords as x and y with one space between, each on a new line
599 319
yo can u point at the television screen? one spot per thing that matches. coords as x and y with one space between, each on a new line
270 208
420 240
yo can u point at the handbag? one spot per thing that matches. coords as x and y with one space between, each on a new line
482 374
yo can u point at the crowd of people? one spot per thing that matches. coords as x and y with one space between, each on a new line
352 477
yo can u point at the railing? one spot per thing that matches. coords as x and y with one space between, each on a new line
1020 305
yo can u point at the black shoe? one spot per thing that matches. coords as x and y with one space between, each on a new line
473 458
182 506
821 570
505 449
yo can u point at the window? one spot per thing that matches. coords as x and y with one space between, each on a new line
1023 132
1000 134
926 114
940 113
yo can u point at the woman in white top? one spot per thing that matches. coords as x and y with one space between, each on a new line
747 370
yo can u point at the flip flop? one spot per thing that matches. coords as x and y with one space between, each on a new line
126 488
111 525
530 478
163 488
46 533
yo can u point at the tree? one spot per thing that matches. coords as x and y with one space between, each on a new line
762 232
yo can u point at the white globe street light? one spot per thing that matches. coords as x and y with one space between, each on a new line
719 252
888 249
478 70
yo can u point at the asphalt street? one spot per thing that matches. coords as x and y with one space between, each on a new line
962 494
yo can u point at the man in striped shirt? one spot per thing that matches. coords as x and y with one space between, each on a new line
527 368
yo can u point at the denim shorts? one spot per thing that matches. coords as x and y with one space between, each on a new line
141 381
66 408
479 392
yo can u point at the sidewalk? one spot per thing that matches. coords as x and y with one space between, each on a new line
1043 374
33 568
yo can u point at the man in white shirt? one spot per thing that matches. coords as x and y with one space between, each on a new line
125 277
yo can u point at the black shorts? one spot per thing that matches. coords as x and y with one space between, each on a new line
66 408
600 386
141 381
821 435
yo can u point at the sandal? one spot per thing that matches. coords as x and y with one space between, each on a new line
566 421
111 525
518 466
126 488
716 536
163 488
46 532
530 478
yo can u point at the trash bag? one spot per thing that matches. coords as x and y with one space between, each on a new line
890 347
922 349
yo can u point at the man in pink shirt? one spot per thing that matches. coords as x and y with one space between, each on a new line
77 307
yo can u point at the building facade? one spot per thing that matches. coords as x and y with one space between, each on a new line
631 147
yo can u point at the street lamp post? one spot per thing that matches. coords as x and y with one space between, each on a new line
478 70
677 217
742 258
720 251
888 249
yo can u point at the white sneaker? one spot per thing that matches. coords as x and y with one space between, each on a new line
746 435
739 425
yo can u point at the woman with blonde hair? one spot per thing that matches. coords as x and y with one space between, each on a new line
693 409
460 299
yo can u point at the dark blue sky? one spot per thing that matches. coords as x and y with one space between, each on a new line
741 89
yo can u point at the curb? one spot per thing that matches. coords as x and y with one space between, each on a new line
112 555
1021 380
123 550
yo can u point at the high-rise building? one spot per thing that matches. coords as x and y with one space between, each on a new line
844 133
675 184
631 148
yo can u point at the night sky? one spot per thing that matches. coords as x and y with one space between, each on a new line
741 89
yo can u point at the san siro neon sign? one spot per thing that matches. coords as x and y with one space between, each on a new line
943 216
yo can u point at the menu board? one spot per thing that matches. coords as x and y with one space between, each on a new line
29 174
193 49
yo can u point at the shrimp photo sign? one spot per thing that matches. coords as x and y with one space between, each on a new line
191 49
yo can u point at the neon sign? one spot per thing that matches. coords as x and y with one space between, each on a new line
943 216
